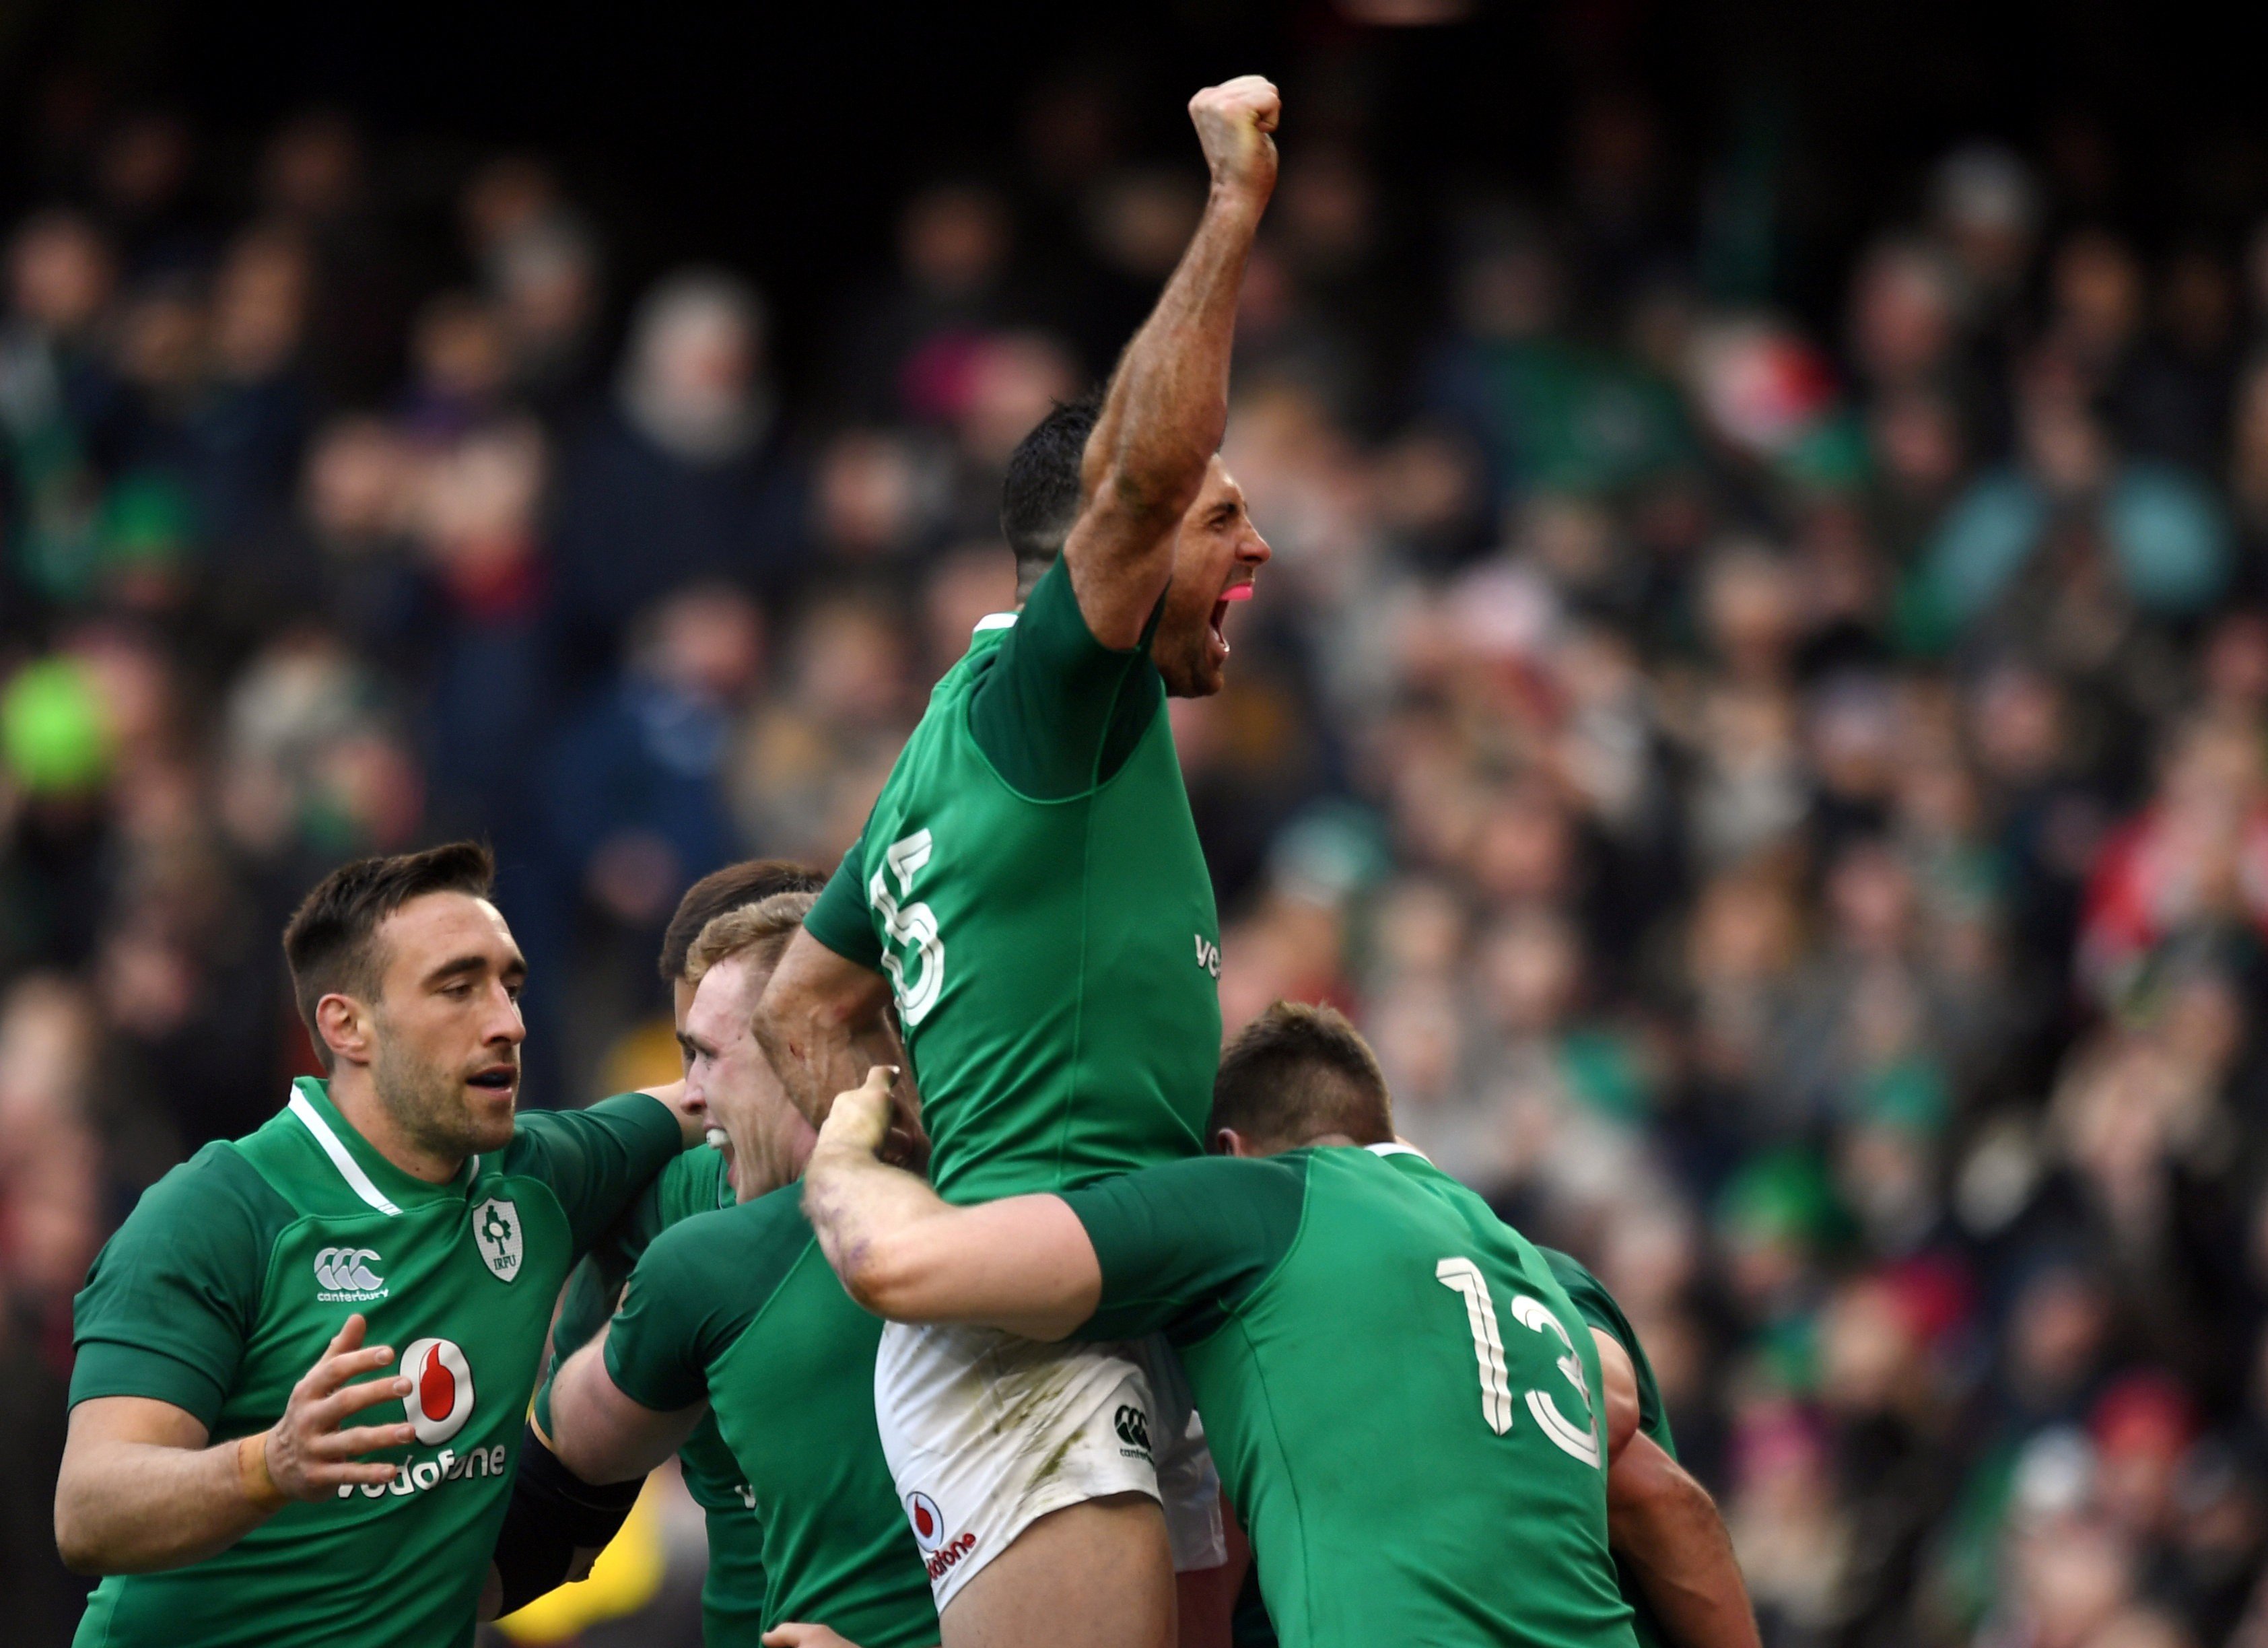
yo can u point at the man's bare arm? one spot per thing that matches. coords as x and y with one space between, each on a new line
1023 1264
824 1022
139 1491
1664 1525
1167 407
1620 1396
600 1434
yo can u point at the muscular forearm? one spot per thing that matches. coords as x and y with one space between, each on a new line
1023 1264
869 1218
817 1056
1663 1524
1167 407
600 1434
140 1507
823 1023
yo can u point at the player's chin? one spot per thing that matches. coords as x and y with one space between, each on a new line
489 1106
1197 672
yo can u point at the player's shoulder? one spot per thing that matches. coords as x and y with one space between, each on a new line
214 1209
740 1251
219 1182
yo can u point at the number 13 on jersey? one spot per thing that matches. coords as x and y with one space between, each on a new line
1462 1276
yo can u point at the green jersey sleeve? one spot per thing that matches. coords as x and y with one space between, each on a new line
694 1182
1597 1306
695 1291
1182 1246
171 1299
597 1160
1059 712
838 918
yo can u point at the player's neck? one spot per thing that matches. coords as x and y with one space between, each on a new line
357 1099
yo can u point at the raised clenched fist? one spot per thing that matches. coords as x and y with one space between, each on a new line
1233 120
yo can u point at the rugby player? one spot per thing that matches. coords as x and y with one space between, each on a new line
734 1586
1030 888
231 1469
1399 1389
733 1320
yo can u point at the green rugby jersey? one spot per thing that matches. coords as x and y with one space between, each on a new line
1251 1628
738 1309
732 1591
227 1281
1395 1387
1030 879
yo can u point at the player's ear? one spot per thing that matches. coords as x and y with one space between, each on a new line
343 1023
1229 1142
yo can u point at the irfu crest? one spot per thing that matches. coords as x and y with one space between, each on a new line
496 1232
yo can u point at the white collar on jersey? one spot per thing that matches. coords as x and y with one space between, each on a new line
994 621
1398 1148
350 1169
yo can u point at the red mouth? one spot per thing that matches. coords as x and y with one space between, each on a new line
1233 593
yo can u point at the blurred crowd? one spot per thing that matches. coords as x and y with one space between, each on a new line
1786 793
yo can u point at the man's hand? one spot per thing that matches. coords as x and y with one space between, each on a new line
1233 120
859 1121
692 1114
308 1456
793 1635
140 1492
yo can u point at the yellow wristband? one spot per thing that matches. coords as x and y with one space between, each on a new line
251 1471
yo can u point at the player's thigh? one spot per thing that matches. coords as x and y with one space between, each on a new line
1098 1574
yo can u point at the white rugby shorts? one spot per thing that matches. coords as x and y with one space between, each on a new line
986 1433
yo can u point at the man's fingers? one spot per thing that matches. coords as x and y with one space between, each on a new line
860 1117
334 1371
345 1474
794 1634
327 1412
348 1336
344 1445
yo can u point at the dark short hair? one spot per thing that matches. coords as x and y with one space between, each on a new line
328 942
1039 496
1298 1072
750 881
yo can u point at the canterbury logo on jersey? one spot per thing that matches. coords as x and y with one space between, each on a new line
345 1273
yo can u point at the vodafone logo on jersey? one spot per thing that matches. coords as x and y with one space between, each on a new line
440 1397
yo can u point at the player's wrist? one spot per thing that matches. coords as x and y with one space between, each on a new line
1238 200
254 1476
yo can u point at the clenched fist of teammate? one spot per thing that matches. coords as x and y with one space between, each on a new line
1233 120
859 1121
307 1455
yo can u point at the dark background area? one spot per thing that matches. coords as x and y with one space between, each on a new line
781 139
